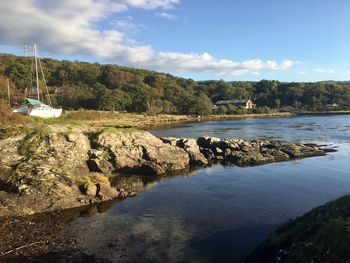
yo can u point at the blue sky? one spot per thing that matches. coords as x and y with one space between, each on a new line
288 40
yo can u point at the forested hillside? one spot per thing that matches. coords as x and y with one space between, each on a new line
75 85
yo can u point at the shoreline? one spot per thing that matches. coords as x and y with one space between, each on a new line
69 143
94 120
341 112
72 167
91 120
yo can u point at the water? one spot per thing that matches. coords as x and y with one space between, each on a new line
219 214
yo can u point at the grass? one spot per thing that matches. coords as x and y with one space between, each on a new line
10 131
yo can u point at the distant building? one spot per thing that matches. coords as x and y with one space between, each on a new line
334 105
248 104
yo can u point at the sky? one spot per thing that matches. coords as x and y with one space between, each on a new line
286 40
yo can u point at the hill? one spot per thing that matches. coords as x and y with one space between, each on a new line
76 85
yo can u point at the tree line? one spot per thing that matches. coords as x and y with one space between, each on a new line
76 85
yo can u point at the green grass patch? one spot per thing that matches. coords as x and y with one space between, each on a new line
10 131
31 142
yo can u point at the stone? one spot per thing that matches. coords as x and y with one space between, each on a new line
207 142
193 150
89 190
151 168
99 162
106 192
131 152
170 140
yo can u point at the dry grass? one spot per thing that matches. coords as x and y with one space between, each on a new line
7 117
99 178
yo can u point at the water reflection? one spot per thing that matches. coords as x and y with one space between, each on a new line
219 213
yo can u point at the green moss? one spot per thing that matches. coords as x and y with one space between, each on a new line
31 143
10 131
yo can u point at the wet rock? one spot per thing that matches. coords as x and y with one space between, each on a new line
151 168
247 153
208 142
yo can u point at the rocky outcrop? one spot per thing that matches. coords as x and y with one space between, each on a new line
191 147
43 170
321 235
137 152
247 153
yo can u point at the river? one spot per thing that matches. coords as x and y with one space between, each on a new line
218 214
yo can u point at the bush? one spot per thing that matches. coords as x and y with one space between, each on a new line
7 117
221 109
262 110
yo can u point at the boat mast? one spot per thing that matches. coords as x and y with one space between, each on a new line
8 91
36 71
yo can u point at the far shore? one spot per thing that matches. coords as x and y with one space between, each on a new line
100 119
94 120
324 112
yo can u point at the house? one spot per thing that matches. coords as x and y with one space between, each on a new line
334 105
248 104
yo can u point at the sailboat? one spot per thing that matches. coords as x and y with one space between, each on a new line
34 107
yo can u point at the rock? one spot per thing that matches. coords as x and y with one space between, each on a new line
197 159
207 142
106 192
318 236
193 150
89 190
151 168
131 152
68 152
99 161
218 151
170 140
48 175
9 155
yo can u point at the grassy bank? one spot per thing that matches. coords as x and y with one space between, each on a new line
98 119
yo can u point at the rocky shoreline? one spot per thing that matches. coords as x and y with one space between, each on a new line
47 170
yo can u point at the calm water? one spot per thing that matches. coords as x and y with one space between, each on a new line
220 213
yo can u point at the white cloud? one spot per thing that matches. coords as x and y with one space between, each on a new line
176 61
303 72
127 25
325 71
152 4
167 15
68 27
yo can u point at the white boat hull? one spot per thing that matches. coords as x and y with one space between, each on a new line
42 112
45 113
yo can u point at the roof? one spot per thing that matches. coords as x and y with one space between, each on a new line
32 102
332 105
225 102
